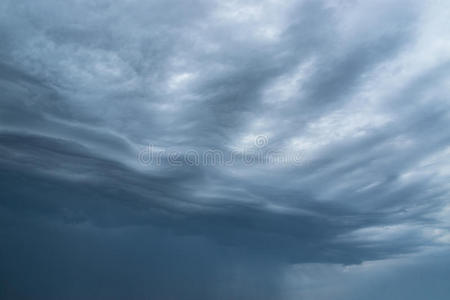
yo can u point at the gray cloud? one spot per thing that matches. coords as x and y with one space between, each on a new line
359 89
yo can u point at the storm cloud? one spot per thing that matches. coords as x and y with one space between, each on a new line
326 125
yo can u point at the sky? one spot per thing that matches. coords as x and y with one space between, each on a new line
267 149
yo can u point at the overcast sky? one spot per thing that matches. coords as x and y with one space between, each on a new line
268 149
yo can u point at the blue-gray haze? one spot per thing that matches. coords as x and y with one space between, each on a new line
154 149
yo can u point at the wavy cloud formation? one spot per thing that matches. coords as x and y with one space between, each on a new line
358 89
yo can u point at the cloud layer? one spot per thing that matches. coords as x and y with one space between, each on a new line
360 89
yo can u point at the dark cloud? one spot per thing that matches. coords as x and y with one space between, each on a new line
355 92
